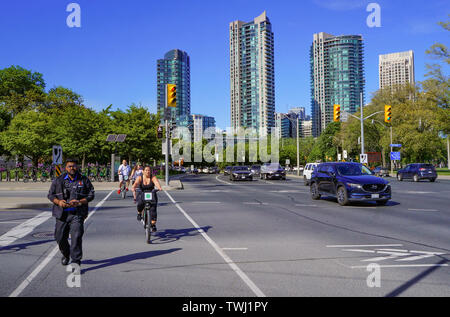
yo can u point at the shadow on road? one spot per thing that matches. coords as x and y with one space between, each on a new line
361 203
125 259
402 288
23 246
172 235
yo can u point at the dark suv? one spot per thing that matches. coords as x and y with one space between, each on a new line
417 172
348 182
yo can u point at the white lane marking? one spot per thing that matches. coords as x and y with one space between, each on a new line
24 228
364 245
222 181
11 221
302 205
206 202
411 209
399 265
235 249
227 259
50 256
255 203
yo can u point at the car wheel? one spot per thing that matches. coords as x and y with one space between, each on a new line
342 197
314 191
416 178
432 180
381 202
399 177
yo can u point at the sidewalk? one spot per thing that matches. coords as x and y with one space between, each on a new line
24 201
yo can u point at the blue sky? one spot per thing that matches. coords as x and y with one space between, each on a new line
111 59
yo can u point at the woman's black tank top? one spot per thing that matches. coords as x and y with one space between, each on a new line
148 187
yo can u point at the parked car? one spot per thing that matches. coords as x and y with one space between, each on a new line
417 171
256 170
272 170
381 171
227 170
240 173
348 182
213 170
307 171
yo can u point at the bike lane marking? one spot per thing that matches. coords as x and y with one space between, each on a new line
227 259
49 257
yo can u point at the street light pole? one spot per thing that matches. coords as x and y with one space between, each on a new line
298 148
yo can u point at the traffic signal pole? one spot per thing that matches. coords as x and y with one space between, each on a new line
167 144
362 126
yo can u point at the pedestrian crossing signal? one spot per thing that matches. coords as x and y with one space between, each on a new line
387 113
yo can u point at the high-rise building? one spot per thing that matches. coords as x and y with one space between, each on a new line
199 123
337 76
175 69
252 76
284 124
396 69
300 111
306 128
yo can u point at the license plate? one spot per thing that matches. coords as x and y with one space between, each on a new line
148 196
375 195
243 176
277 174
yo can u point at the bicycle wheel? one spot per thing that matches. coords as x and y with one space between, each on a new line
148 227
123 192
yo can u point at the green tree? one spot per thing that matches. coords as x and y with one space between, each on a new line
21 89
31 134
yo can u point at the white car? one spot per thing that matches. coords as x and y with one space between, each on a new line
307 171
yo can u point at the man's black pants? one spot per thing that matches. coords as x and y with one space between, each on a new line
73 224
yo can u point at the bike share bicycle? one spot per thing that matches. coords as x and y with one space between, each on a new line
150 201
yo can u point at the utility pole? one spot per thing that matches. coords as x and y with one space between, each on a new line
298 148
362 126
392 166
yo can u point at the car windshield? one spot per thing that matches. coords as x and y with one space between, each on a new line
240 168
353 170
256 167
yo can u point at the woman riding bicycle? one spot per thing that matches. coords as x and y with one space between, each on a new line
146 182
135 173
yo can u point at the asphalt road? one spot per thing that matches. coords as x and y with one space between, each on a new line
260 238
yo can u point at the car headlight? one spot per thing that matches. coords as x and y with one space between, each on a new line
354 185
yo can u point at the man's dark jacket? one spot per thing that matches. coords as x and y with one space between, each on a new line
84 191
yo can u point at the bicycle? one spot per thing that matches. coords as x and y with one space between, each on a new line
150 201
123 187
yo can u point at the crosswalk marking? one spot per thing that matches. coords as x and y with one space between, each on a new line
24 228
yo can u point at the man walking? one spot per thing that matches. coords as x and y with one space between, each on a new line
70 193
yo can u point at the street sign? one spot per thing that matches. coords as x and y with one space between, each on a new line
395 156
57 154
395 145
363 158
339 156
288 161
344 154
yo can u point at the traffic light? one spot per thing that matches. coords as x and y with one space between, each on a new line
171 95
160 132
387 113
337 113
